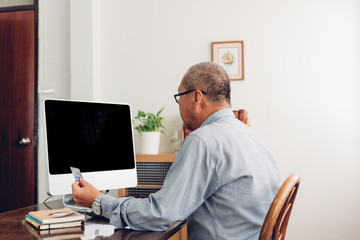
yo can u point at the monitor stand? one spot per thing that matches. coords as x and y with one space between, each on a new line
69 202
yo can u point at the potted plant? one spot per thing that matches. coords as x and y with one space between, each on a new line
150 126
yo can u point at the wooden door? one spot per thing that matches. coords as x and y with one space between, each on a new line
17 109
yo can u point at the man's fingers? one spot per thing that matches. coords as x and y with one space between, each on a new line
74 185
82 182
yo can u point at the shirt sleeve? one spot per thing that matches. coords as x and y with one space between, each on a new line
190 181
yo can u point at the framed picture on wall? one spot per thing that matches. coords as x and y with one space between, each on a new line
230 55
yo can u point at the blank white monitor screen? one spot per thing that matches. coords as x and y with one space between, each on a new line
93 136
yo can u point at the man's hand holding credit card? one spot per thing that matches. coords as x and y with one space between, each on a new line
77 174
81 188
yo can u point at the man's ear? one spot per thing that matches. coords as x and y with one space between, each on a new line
198 99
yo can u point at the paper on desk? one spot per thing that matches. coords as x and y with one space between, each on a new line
91 231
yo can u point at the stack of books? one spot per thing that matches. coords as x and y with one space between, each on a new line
55 224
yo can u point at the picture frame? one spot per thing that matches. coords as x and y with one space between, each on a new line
230 55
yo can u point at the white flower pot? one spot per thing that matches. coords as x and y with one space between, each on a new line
149 142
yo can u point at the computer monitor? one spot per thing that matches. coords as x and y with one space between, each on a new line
95 137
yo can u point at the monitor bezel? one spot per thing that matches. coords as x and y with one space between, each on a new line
60 184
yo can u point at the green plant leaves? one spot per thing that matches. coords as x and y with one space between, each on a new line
150 122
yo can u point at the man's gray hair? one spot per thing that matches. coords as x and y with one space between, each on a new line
210 78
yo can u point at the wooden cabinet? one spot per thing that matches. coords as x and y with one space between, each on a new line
151 171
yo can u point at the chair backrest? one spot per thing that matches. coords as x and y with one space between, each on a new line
277 218
242 115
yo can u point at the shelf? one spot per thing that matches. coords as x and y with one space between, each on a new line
150 158
161 157
148 186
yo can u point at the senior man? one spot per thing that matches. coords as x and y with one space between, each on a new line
222 180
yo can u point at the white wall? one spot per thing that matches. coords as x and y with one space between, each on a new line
301 83
54 68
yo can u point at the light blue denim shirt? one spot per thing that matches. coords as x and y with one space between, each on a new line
222 181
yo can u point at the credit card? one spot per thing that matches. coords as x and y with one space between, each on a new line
76 172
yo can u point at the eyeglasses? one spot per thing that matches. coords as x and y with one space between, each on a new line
177 96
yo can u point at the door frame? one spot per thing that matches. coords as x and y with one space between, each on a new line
35 8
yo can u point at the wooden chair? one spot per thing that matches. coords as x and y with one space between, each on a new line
277 218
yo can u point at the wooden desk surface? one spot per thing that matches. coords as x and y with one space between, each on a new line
12 225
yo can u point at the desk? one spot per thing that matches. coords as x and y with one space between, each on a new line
12 225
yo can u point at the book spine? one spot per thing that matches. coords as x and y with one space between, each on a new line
36 223
34 219
32 222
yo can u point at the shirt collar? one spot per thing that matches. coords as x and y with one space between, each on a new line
217 115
